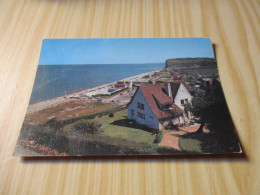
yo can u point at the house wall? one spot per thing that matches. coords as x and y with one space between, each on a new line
150 118
182 93
175 121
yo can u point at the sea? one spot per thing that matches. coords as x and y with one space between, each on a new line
57 80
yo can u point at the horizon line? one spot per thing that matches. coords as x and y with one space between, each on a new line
127 63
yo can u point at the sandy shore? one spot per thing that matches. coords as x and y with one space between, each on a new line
80 93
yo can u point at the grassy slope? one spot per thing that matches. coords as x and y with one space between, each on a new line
115 136
118 138
207 66
208 71
112 130
190 145
129 133
68 110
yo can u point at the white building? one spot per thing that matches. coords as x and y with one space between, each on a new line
160 104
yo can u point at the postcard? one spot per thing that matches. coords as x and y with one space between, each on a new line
129 96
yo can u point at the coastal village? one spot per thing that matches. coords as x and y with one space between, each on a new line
145 113
155 99
121 92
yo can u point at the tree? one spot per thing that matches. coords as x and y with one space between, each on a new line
210 105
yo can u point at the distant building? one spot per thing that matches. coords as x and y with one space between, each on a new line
111 90
141 82
161 104
120 84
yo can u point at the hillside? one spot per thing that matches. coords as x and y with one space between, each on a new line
190 62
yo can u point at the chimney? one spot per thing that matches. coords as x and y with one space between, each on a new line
168 90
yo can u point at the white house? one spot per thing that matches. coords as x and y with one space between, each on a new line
154 105
181 94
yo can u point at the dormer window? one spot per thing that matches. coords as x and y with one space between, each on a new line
166 107
163 107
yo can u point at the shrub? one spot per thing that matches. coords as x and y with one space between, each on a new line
111 115
54 123
172 127
87 126
32 145
159 137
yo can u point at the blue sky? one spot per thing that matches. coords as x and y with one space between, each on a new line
122 51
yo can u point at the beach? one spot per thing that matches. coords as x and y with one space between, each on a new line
82 94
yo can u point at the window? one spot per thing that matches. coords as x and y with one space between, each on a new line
182 102
141 115
166 107
140 105
132 112
186 101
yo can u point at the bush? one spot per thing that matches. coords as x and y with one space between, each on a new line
54 123
159 137
87 126
44 136
111 115
172 127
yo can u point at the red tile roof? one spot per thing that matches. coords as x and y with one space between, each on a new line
157 92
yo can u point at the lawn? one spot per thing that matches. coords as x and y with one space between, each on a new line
190 145
210 142
117 137
118 126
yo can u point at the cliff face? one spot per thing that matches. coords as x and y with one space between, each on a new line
188 62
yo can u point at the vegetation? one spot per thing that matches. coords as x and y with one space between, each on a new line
87 127
190 145
61 123
188 62
76 143
210 142
159 137
119 126
210 106
207 71
69 110
86 136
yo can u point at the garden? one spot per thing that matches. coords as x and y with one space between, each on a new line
105 133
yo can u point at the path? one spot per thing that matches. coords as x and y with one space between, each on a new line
171 138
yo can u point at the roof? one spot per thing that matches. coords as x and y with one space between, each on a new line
155 92
181 82
175 85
